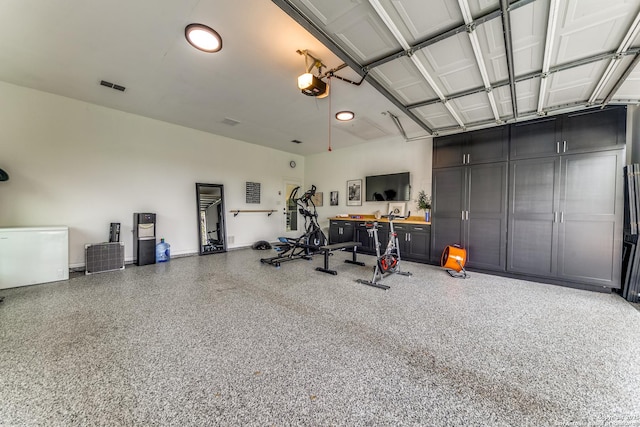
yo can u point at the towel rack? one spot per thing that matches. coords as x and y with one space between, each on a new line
237 211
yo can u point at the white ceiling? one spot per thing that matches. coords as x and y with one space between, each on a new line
438 67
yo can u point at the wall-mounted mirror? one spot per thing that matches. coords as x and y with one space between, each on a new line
211 227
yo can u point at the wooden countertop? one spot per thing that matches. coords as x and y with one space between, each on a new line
419 220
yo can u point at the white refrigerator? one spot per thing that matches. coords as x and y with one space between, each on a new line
31 255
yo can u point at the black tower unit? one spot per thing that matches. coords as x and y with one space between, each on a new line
144 238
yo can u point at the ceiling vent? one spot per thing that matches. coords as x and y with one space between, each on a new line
112 85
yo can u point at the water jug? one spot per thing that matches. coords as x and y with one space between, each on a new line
163 251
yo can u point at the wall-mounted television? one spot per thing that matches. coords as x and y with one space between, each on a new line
391 187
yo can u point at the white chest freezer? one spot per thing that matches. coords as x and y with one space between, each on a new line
31 255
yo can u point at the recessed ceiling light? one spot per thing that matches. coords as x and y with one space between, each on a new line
203 38
345 116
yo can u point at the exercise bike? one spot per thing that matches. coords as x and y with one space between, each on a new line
389 261
213 243
307 244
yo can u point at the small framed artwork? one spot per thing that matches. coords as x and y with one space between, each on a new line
397 209
333 200
354 192
317 199
253 192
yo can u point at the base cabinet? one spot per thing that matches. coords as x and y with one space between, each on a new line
414 241
368 242
340 231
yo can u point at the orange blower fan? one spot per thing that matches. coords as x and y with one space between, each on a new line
453 260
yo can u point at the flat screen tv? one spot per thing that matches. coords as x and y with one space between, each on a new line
392 187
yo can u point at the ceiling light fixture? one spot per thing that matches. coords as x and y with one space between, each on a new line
203 38
345 116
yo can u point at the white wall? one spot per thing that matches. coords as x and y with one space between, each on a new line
330 171
77 164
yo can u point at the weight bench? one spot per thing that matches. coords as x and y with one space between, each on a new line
326 250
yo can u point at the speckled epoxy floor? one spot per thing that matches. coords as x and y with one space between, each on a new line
225 340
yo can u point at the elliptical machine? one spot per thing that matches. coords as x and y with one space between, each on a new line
389 261
309 243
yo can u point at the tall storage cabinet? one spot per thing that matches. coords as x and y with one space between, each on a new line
591 226
470 201
551 210
565 217
533 207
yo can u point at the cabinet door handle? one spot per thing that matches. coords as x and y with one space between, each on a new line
468 159
561 216
463 158
462 215
466 215
564 146
558 147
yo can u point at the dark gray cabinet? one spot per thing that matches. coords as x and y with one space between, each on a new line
368 242
470 209
560 189
594 130
414 241
449 188
533 207
341 231
537 138
449 150
580 132
564 217
483 146
470 196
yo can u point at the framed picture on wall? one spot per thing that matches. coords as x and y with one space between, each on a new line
396 209
333 200
354 192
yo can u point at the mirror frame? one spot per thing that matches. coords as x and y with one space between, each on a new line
223 227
